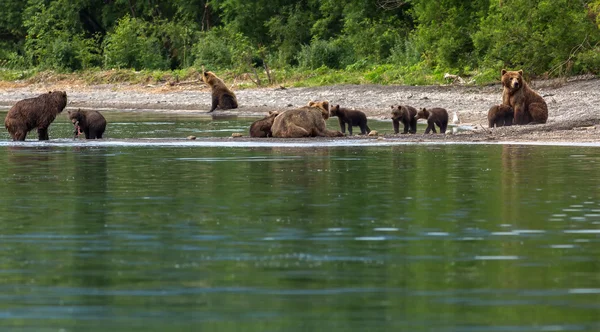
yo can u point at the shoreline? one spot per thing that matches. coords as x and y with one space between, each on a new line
574 106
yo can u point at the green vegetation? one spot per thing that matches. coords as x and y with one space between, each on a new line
301 42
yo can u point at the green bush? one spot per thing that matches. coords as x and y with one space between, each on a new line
133 45
321 53
223 49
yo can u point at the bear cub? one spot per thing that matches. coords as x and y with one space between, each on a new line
435 116
351 117
500 115
262 127
91 123
406 115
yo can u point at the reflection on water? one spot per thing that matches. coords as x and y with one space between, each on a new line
345 238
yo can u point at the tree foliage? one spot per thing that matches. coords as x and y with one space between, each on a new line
543 37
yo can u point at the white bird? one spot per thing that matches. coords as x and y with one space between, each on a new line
455 119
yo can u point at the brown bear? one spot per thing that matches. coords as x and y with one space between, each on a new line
500 115
222 97
528 106
307 121
352 118
92 123
262 127
37 112
435 116
406 115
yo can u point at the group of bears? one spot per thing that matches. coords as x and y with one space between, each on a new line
520 105
40 111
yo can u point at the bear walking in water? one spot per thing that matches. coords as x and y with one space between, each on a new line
222 97
435 116
92 123
406 115
528 106
262 127
352 118
307 121
37 112
500 115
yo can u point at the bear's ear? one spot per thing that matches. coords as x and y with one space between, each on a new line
392 106
311 103
520 72
503 72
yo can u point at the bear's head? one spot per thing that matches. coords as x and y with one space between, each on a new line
398 112
512 80
322 105
75 116
422 114
210 79
334 111
58 98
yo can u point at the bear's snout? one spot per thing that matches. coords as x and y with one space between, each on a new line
515 84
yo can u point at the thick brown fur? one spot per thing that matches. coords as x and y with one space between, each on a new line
307 121
435 116
262 127
528 105
351 117
405 114
222 97
92 123
500 115
37 112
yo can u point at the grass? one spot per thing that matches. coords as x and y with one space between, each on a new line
289 77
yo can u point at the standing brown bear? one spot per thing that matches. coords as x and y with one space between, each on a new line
262 127
528 106
37 112
352 118
222 97
92 123
307 121
500 115
406 115
435 116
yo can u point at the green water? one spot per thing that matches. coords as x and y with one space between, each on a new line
392 238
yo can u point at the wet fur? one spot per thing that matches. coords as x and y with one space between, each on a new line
38 112
406 115
500 115
262 127
351 117
435 116
91 123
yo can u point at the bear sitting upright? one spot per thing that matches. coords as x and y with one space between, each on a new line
435 116
307 121
262 127
500 115
222 97
352 118
406 115
528 106
37 112
92 123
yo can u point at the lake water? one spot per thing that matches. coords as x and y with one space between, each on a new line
112 237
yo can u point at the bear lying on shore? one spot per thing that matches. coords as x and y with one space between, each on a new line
92 123
222 97
406 115
262 127
352 118
435 116
37 112
500 115
528 106
307 121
